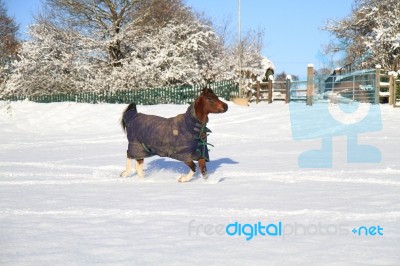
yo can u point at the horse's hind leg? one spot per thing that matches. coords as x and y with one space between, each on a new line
188 176
128 168
139 167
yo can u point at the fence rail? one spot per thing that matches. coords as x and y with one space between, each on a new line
168 95
355 86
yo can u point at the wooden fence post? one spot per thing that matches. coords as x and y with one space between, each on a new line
396 84
391 88
270 89
288 84
310 84
258 92
378 82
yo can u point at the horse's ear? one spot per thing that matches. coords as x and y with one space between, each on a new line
206 90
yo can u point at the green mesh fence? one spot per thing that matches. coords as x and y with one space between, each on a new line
168 95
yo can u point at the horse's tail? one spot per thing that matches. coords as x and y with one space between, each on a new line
131 107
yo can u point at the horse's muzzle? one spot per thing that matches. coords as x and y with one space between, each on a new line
224 108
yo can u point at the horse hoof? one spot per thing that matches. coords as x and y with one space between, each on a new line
125 174
183 179
141 176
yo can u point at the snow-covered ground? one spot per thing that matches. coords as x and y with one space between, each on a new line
62 202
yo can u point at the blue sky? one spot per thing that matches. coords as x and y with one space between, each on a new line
293 37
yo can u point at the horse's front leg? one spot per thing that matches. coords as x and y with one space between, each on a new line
188 176
203 168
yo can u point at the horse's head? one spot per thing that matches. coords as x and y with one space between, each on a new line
208 103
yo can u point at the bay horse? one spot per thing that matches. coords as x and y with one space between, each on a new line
183 137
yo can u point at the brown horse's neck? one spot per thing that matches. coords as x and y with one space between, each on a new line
201 115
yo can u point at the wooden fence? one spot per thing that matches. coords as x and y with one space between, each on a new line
387 87
266 91
286 90
370 85
168 95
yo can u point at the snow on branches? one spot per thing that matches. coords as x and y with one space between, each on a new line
370 33
116 46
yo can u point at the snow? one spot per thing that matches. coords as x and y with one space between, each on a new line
384 84
266 63
61 199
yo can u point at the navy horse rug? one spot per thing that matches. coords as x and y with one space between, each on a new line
183 137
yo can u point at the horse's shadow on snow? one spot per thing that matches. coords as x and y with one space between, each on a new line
178 166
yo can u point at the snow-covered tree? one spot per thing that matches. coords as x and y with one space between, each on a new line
102 20
175 54
8 41
252 45
370 35
55 61
117 45
249 50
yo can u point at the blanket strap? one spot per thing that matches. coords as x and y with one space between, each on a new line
145 148
202 143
